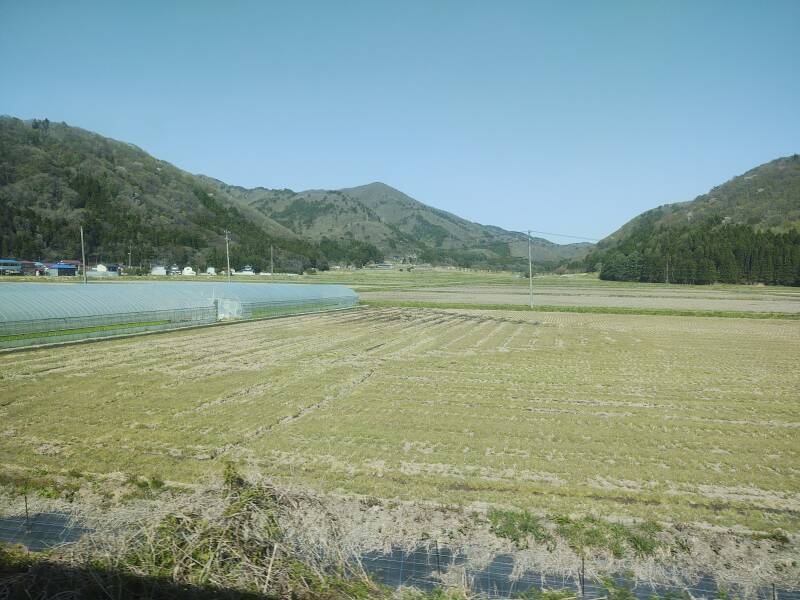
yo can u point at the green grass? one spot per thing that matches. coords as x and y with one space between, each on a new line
518 527
79 330
607 310
589 533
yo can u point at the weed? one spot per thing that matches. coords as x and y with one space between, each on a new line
615 591
591 533
231 477
778 536
518 526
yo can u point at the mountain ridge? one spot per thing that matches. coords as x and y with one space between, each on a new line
745 230
54 178
395 223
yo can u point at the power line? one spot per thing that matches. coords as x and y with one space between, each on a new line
574 237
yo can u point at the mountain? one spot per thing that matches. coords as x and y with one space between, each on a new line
744 231
55 178
399 225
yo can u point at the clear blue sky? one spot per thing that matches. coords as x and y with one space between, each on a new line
569 117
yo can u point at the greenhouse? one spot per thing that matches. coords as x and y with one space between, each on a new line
44 313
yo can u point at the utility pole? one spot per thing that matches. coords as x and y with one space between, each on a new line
271 263
530 270
83 258
130 249
228 255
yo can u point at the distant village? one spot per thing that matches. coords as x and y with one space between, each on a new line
73 268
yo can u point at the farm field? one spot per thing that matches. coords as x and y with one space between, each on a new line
594 294
455 287
660 417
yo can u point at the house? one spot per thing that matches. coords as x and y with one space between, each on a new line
188 271
158 270
62 270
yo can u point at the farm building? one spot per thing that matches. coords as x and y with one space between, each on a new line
102 270
62 270
10 266
33 313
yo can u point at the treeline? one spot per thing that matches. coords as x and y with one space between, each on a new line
707 252
113 228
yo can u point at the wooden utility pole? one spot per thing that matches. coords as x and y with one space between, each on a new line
530 270
83 258
228 255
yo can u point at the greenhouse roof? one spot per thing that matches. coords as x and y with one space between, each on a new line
34 301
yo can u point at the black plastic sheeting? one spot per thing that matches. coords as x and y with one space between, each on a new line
421 568
40 531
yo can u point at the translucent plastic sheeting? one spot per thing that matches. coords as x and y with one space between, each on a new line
36 313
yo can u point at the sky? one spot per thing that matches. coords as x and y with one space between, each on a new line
563 117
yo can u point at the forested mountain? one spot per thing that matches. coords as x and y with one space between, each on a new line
398 225
746 230
55 178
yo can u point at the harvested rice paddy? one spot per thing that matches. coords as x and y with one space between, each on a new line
592 293
681 419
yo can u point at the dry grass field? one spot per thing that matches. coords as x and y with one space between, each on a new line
661 417
585 292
